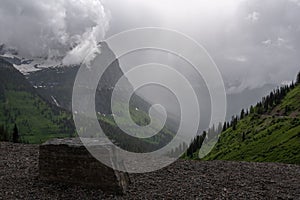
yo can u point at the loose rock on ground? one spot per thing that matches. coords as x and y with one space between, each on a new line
181 180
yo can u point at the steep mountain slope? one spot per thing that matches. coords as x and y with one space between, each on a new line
39 120
54 81
36 119
269 133
56 84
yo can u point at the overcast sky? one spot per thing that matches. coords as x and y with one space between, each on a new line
253 42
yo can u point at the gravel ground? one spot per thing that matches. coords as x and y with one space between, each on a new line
181 180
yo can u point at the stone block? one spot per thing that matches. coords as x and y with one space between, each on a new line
68 160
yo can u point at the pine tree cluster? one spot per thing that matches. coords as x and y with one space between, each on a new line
206 136
263 107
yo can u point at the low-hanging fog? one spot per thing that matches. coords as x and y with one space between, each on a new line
254 43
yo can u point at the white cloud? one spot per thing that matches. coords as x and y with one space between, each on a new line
253 16
52 29
267 42
238 58
286 82
296 2
279 42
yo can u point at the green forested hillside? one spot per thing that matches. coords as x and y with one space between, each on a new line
36 119
268 132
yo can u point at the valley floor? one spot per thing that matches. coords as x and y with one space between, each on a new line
181 180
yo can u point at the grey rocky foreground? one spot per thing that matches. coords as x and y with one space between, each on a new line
181 180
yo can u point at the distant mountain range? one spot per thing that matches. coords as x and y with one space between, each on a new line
39 103
54 82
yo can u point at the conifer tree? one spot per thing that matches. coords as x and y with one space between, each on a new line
242 114
15 134
298 79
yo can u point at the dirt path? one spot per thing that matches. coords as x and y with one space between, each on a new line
181 180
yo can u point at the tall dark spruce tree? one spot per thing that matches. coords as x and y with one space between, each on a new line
298 79
15 134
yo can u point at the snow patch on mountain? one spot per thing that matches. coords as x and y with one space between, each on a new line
55 101
27 65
